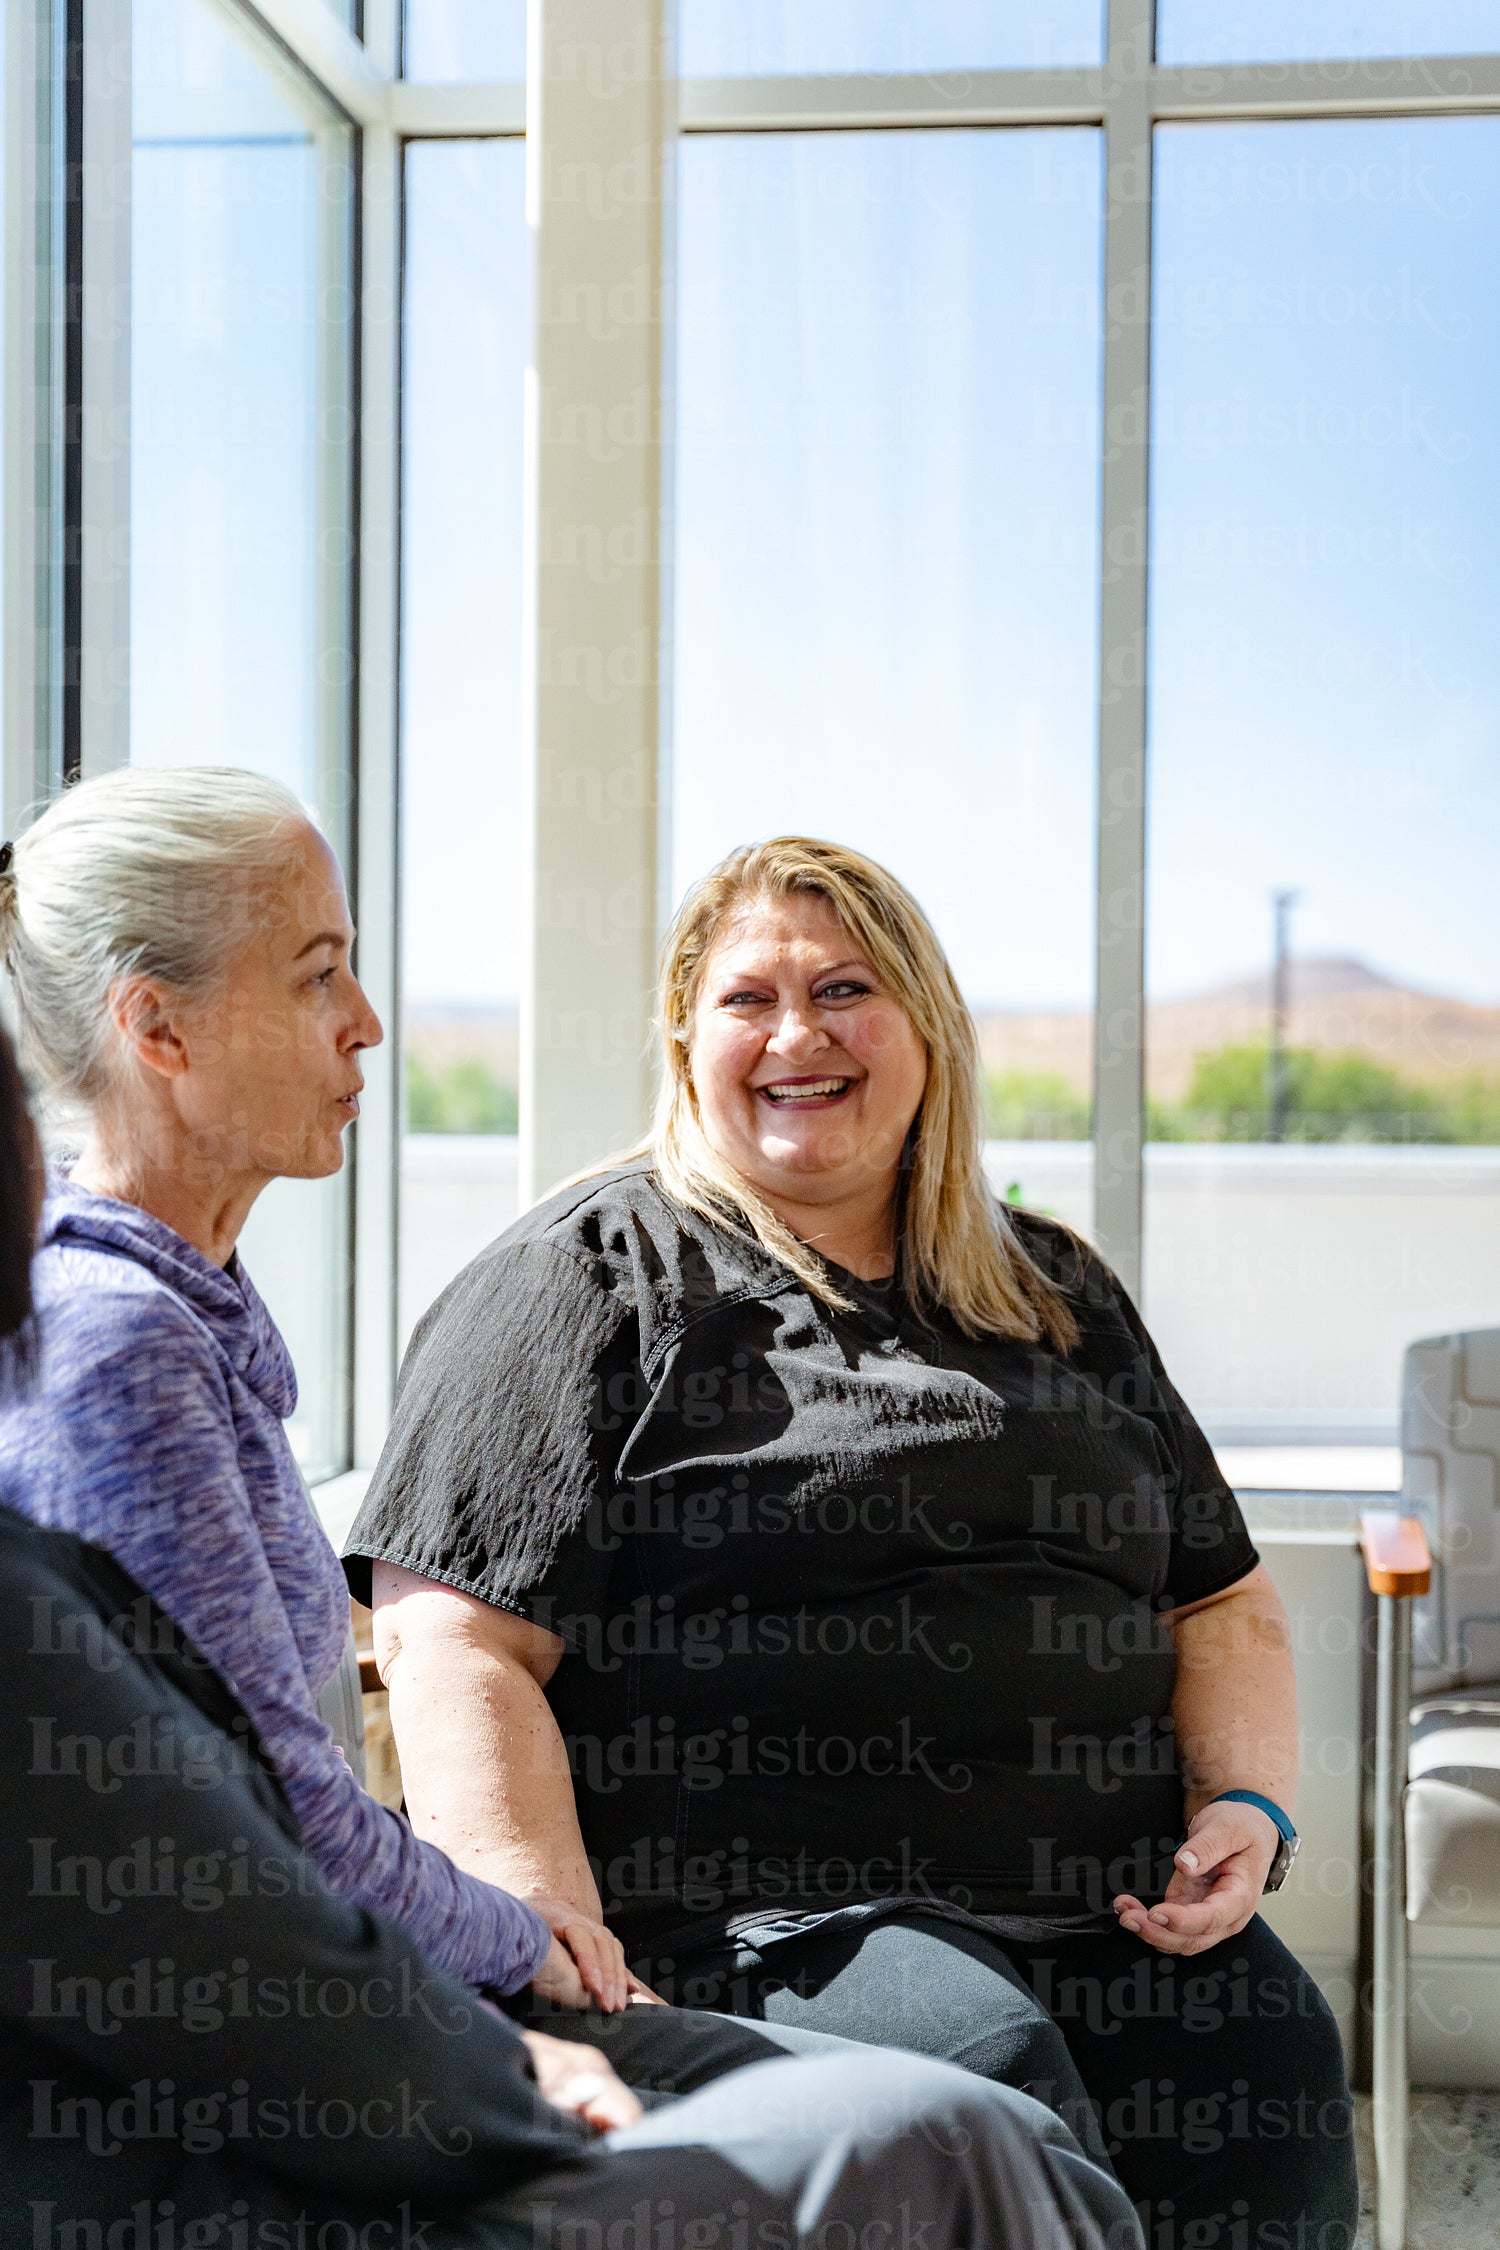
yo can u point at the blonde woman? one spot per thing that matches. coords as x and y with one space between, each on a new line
792 1557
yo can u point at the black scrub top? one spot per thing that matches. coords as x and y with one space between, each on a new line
855 1607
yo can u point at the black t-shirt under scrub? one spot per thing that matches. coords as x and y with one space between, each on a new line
855 1607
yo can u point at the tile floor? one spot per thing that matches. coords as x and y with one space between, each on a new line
1455 2172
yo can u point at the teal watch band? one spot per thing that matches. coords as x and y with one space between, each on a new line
1283 1821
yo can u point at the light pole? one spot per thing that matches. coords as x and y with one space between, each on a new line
1276 1086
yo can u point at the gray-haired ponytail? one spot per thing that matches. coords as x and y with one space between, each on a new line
7 900
148 871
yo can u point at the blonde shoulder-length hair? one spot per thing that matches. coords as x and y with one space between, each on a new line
958 1250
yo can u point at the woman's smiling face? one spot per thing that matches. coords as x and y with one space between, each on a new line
807 1069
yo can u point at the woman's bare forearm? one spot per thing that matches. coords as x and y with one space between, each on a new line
482 1762
1235 1703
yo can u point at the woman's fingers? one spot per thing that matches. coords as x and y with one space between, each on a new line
580 2080
597 1953
558 1979
1190 1926
582 1941
601 1962
641 1995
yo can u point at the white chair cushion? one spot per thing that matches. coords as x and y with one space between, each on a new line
1452 1856
1453 1813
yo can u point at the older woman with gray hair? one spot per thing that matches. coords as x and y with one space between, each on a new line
179 945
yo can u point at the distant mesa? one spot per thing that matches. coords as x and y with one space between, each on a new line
1335 1003
1319 977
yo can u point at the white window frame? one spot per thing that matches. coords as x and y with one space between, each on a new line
599 769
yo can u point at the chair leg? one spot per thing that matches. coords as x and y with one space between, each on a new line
1392 1726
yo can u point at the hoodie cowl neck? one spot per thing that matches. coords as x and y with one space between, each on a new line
223 1298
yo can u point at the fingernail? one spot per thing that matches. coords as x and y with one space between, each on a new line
1187 1859
1133 1923
1160 1914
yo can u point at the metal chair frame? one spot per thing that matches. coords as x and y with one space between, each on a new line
1398 1565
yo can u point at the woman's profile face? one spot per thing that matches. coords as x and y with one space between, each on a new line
807 1070
270 1076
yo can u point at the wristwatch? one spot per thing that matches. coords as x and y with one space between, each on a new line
1290 1844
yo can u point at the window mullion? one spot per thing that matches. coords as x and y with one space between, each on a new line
1119 1025
598 199
377 805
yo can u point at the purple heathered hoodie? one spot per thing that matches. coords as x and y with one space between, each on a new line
154 1429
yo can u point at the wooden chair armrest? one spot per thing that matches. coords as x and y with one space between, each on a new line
1398 1559
370 1682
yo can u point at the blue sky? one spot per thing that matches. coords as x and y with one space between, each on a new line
224 459
1190 31
1325 708
728 37
446 40
887 534
468 266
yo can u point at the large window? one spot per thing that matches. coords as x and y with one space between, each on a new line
1324 954
463 865
241 648
887 578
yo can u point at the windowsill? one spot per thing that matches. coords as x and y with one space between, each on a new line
1361 1469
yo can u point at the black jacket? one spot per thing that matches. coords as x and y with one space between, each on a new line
190 2020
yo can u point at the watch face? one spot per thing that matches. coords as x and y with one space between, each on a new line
1281 1865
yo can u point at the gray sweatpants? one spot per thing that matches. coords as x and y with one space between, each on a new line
865 2150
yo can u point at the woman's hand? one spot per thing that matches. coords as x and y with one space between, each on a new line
586 1965
579 2081
1218 1875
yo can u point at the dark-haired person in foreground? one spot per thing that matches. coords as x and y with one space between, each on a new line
204 2046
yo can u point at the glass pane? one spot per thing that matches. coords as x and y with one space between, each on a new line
1325 724
887 557
241 650
34 204
448 40
1248 31
468 268
239 468
731 38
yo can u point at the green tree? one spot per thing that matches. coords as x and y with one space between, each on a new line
1473 1105
465 1097
1338 1095
1033 1105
